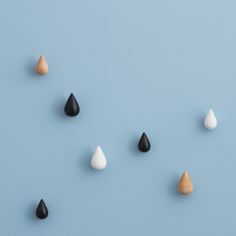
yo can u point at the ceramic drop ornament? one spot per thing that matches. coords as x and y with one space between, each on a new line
72 107
42 210
185 185
210 121
42 66
98 161
144 143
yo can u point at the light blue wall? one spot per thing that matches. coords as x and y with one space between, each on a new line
134 65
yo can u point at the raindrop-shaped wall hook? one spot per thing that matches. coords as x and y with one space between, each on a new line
98 161
72 107
210 121
185 185
42 210
42 66
144 143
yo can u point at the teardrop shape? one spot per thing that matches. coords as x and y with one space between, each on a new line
144 144
185 185
72 107
42 66
210 121
98 161
42 210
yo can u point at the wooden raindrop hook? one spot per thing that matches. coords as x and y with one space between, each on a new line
185 185
42 66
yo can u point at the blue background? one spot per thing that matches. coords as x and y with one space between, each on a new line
134 66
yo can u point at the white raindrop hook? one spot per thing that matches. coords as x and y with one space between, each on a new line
98 161
210 121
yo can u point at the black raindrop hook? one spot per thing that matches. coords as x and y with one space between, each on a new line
144 143
42 210
72 107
